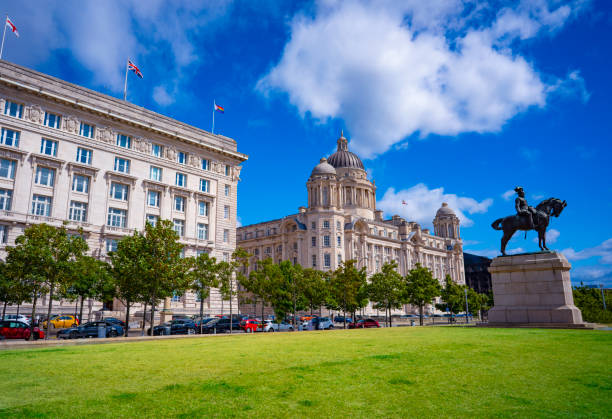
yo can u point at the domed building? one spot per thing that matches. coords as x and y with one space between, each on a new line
341 222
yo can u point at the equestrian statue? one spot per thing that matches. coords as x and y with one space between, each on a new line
528 218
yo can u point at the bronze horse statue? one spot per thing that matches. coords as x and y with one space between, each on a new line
512 223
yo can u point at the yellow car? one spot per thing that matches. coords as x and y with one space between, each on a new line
61 322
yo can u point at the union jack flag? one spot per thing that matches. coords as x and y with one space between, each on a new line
132 67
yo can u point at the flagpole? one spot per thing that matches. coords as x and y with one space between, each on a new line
3 35
127 66
213 126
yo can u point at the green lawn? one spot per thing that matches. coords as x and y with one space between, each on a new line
399 372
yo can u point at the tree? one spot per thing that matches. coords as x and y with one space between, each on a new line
230 272
127 268
43 257
260 283
348 288
386 289
453 296
203 278
12 290
288 295
315 288
421 288
590 302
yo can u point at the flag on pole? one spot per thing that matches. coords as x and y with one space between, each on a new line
136 70
404 202
219 108
12 26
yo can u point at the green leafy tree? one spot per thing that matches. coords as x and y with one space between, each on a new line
230 273
260 283
348 288
590 302
421 288
288 294
203 278
386 289
43 256
315 288
453 296
12 290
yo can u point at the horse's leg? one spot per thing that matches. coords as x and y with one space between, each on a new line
540 240
504 241
544 239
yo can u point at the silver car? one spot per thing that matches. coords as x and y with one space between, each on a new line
270 326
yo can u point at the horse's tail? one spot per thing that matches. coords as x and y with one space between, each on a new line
497 224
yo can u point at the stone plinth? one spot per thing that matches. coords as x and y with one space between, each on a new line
533 289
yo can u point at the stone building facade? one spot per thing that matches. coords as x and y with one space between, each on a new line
341 222
70 154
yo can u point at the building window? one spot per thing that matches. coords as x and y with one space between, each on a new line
52 120
179 203
86 130
202 231
13 109
314 261
181 179
313 240
176 298
41 205
226 211
338 225
83 155
179 227
326 224
156 150
6 196
7 168
339 259
327 260
116 217
228 190
155 173
153 198
313 225
78 211
226 236
119 191
204 164
44 176
80 184
181 157
326 241
256 252
111 245
3 234
152 219
225 257
339 241
124 141
227 170
48 147
203 208
204 185
10 137
122 165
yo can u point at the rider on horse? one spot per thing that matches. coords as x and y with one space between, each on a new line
522 207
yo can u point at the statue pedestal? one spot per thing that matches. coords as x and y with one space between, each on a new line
533 289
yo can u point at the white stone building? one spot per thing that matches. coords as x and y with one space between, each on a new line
341 222
107 166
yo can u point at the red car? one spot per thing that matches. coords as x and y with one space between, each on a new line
18 330
250 325
363 324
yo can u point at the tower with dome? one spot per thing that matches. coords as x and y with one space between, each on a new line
341 222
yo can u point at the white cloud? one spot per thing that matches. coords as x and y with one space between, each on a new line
162 97
392 69
508 194
422 204
238 221
602 251
551 236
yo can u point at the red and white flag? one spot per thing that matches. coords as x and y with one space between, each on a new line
136 70
404 202
12 26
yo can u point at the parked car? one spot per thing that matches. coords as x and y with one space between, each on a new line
364 324
340 319
270 326
62 321
220 326
18 317
250 325
160 329
115 321
90 330
13 329
318 323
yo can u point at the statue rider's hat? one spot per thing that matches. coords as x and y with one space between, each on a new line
518 189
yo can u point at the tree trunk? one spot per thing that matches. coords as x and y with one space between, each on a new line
390 319
421 314
344 319
4 311
144 320
49 312
263 305
201 311
81 311
18 305
127 318
34 300
152 316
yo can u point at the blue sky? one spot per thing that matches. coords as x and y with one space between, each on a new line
445 100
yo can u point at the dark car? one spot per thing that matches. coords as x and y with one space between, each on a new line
220 326
115 321
364 324
90 330
12 329
340 319
182 326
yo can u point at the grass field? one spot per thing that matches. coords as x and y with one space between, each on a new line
398 372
